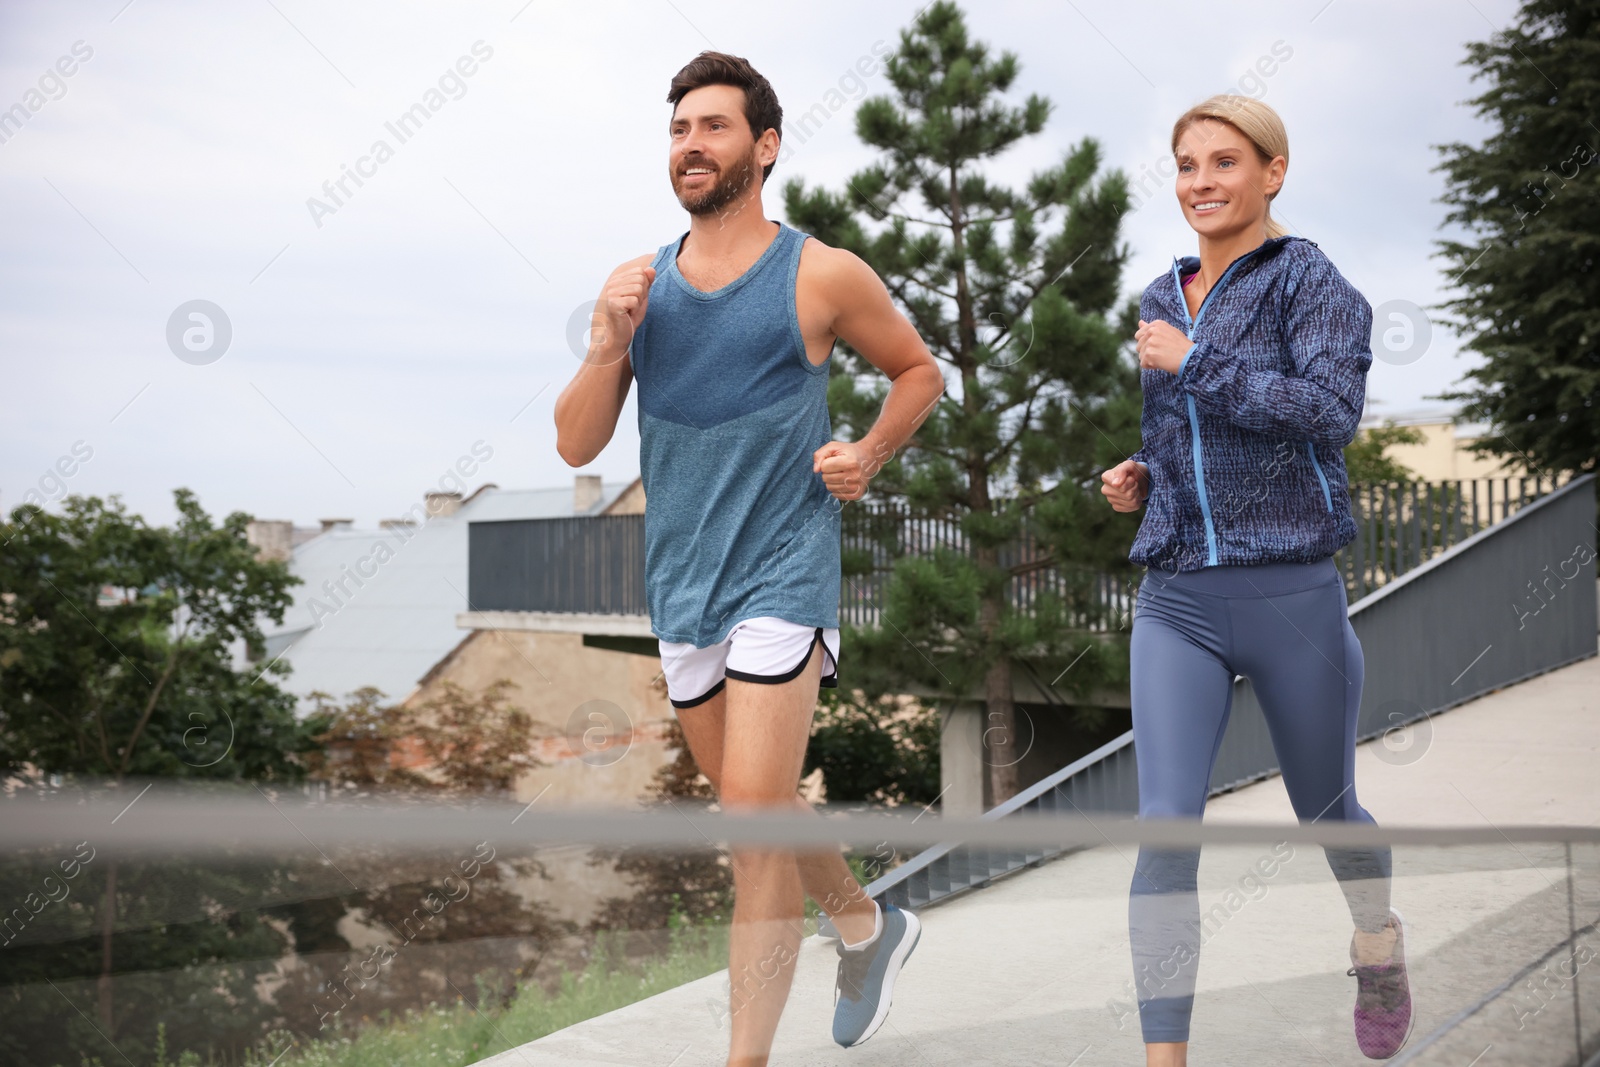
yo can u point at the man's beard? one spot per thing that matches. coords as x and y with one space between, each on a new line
726 187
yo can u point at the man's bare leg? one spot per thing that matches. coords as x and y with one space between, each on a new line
754 761
765 730
824 874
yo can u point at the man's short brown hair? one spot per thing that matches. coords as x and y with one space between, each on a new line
761 108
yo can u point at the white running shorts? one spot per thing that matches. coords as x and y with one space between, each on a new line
765 650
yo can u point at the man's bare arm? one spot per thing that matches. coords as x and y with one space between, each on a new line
865 318
588 408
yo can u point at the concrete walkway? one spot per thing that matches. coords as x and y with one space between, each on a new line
1035 969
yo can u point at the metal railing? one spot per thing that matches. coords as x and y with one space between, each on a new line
595 565
1512 601
877 533
1401 525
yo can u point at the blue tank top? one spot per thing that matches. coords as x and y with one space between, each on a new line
737 525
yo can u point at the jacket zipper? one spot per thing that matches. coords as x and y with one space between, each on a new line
1327 494
1194 416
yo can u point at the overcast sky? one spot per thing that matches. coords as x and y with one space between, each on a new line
372 345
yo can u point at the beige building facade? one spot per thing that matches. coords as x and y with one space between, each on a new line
600 715
1444 454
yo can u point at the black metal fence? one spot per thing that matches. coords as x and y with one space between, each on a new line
876 534
1399 526
590 565
1402 525
596 565
1517 602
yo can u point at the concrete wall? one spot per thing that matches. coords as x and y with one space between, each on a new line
600 715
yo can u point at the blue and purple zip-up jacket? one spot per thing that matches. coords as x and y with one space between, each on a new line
1245 444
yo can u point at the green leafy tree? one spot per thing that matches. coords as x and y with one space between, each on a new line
355 742
475 742
877 751
116 646
1366 458
116 661
1529 269
458 741
1014 291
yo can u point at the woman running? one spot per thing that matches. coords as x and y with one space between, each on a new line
1253 362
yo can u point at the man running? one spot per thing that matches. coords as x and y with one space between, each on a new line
729 331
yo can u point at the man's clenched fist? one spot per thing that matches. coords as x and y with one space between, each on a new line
619 311
846 468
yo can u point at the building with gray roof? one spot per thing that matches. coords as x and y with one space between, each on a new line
378 607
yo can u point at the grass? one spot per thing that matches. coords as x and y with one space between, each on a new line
456 1034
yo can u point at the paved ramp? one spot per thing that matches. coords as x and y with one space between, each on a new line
1035 969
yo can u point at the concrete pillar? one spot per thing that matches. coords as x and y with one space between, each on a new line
961 766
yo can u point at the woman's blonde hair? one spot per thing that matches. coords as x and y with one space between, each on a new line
1259 124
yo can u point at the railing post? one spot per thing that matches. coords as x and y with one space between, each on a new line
1390 535
1427 495
1369 572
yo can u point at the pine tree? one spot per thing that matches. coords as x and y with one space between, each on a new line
1529 271
1014 293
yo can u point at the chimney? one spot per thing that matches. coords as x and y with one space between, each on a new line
272 538
437 503
396 524
336 524
586 493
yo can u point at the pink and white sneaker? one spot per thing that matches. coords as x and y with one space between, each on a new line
1383 998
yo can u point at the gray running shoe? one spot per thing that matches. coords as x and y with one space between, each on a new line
865 984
